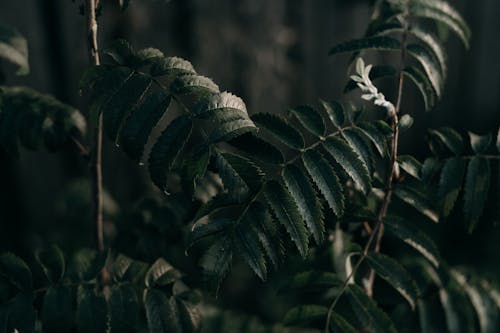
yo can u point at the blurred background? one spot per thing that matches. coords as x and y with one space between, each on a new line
271 53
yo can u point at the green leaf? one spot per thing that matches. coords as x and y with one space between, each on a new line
140 124
146 57
349 161
307 202
240 176
120 52
123 309
369 43
57 310
190 317
450 182
52 262
247 243
376 136
231 129
161 312
286 212
449 138
282 131
410 165
335 112
223 106
433 45
194 84
305 314
395 274
339 324
258 149
92 312
195 166
357 140
15 270
122 103
477 183
417 200
428 63
171 66
87 264
423 84
325 179
413 236
442 12
313 281
167 148
310 119
480 143
208 227
367 311
216 263
161 273
14 48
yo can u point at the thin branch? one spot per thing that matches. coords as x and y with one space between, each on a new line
95 157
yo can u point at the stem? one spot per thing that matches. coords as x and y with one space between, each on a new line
96 154
393 173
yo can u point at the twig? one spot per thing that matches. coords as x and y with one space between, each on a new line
95 157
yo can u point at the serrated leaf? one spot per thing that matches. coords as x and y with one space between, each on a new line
433 45
417 200
358 142
429 65
310 119
167 148
377 72
368 43
161 312
307 202
216 263
414 237
161 273
14 48
349 161
122 103
281 130
195 166
123 309
52 262
286 212
247 243
305 314
147 56
257 148
442 12
450 182
376 136
335 112
120 52
57 310
231 129
367 311
16 271
224 106
208 227
325 179
423 84
480 143
194 84
395 274
141 122
172 66
477 183
92 312
410 165
339 324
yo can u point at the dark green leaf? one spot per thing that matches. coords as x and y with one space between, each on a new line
194 84
477 183
357 140
377 137
450 182
172 66
335 112
418 200
216 263
428 63
325 179
223 106
57 310
87 264
286 212
350 162
257 148
195 166
410 165
123 309
52 262
305 197
161 273
15 270
480 143
413 236
305 314
339 324
231 129
208 227
280 130
369 43
367 311
167 148
161 312
92 312
313 280
423 84
14 48
395 274
247 242
310 119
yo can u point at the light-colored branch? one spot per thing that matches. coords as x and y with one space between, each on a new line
96 154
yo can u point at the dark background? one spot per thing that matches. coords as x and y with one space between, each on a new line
271 53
